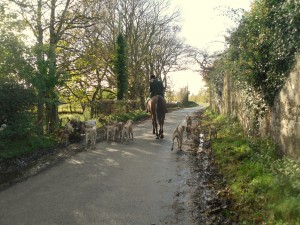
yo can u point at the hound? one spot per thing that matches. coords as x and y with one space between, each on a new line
115 133
213 132
120 126
109 132
64 136
91 135
189 131
178 135
188 120
127 131
69 127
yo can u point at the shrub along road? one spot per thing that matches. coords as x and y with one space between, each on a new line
142 182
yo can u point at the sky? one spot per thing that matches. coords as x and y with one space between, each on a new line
204 27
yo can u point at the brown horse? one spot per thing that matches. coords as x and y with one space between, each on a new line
157 108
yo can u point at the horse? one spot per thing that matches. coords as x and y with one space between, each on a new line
157 107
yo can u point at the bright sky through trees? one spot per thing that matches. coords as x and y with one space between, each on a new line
204 27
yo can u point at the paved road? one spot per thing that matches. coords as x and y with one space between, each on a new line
114 184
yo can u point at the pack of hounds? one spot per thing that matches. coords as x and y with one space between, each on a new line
123 132
197 132
116 131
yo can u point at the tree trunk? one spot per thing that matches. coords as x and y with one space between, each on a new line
52 76
210 95
142 98
41 71
229 94
40 113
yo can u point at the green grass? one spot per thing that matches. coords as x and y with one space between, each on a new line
265 189
15 149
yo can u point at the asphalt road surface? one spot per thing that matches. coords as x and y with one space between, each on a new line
115 184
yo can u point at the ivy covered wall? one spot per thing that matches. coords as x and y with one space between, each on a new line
257 77
280 122
285 114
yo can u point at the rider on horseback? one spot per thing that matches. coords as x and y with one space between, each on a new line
156 88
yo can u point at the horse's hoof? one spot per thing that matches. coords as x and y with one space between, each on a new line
162 136
157 137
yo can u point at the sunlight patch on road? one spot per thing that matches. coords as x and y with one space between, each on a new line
127 154
157 143
103 173
114 143
97 152
75 162
111 162
142 151
112 150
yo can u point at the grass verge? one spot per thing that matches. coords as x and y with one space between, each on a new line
18 148
264 185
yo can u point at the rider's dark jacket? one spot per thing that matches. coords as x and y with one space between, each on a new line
156 88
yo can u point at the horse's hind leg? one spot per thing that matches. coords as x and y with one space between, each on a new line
153 127
155 130
161 132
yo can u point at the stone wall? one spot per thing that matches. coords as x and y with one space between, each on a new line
280 122
285 115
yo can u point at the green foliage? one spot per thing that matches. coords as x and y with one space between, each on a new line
19 137
190 104
17 96
123 117
202 97
14 59
121 67
14 100
263 48
19 127
216 75
183 95
265 188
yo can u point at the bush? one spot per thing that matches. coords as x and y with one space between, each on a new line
20 136
14 100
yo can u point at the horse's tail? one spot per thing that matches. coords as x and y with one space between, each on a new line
160 109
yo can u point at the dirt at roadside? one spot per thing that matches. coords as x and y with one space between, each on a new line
208 200
15 170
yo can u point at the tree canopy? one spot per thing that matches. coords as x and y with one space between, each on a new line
70 51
